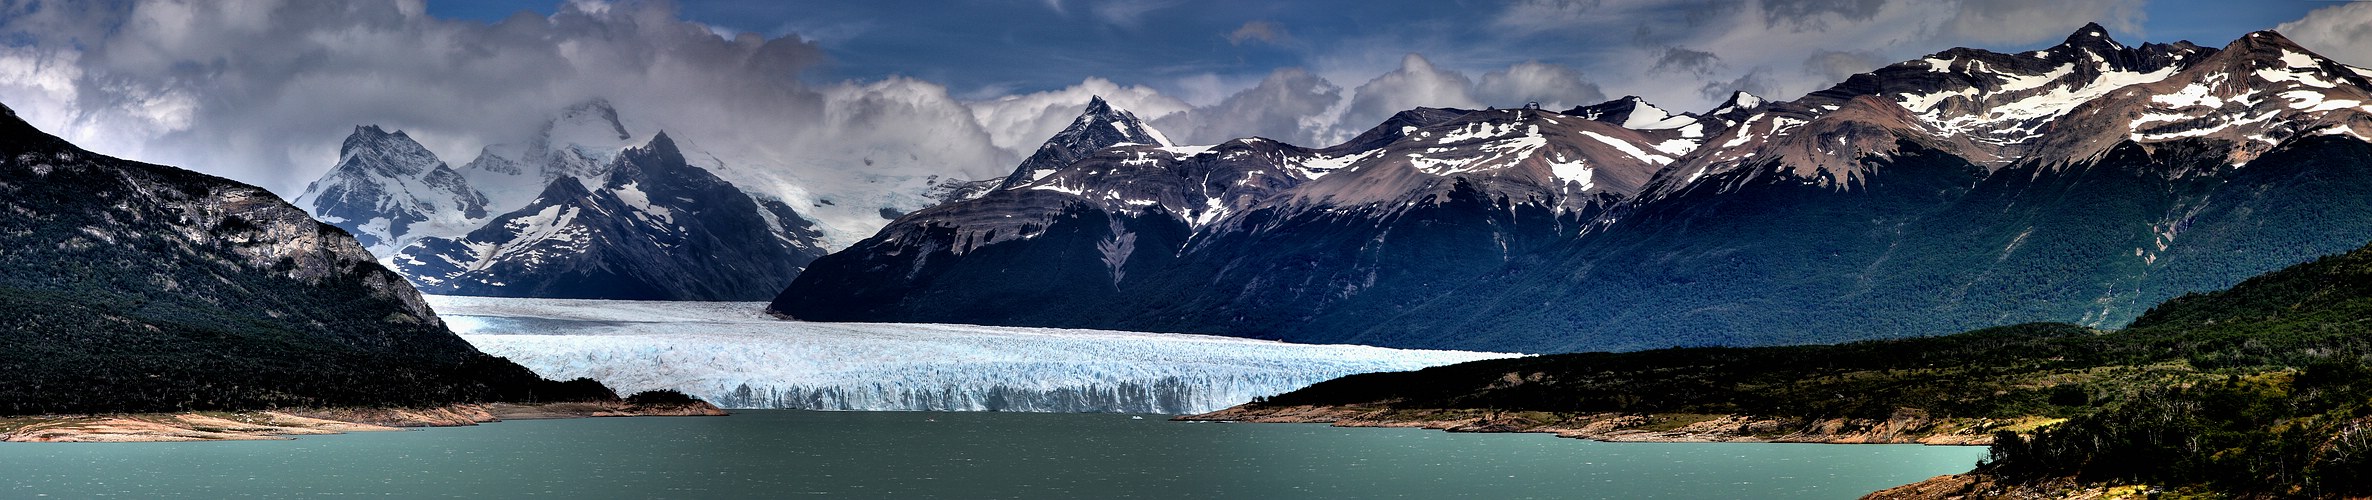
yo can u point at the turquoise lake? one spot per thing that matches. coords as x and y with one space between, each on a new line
777 454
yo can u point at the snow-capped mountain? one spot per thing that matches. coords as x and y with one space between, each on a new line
654 227
386 188
396 195
578 142
1964 189
1101 126
2059 106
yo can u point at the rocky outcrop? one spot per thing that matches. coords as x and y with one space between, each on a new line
1982 487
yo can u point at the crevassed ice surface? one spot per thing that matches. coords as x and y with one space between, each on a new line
732 354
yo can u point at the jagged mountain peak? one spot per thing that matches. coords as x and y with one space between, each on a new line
596 113
1634 112
2091 37
564 188
657 228
1099 126
660 145
1101 113
385 183
388 153
1739 101
658 161
373 131
491 162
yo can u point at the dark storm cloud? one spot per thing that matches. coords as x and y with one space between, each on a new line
1694 62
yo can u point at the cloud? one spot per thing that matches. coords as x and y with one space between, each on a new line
1416 83
261 91
1815 15
1021 122
1128 13
1836 65
1261 31
2342 32
1753 82
2016 21
1296 106
264 92
1543 15
1642 47
1694 62
1290 105
1553 86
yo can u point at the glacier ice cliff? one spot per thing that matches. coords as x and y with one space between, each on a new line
731 354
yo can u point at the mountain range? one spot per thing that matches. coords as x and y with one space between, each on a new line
2078 183
583 208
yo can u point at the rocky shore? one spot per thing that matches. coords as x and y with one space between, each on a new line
280 424
1980 487
1904 427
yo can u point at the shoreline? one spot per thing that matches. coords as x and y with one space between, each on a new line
273 425
1904 427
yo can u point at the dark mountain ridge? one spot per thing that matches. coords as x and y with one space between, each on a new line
2078 183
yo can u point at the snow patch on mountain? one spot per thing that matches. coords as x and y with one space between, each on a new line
388 190
732 354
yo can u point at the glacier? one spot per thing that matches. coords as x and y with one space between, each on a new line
734 355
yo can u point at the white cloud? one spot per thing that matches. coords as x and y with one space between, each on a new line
1553 86
1021 122
1290 105
2341 32
1417 83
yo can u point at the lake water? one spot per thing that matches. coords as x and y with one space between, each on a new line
958 455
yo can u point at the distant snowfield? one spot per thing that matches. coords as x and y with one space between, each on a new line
732 354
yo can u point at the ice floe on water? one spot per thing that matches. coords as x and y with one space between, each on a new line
733 354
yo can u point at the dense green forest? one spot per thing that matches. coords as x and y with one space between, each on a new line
2261 389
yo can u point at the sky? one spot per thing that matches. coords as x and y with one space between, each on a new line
834 97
